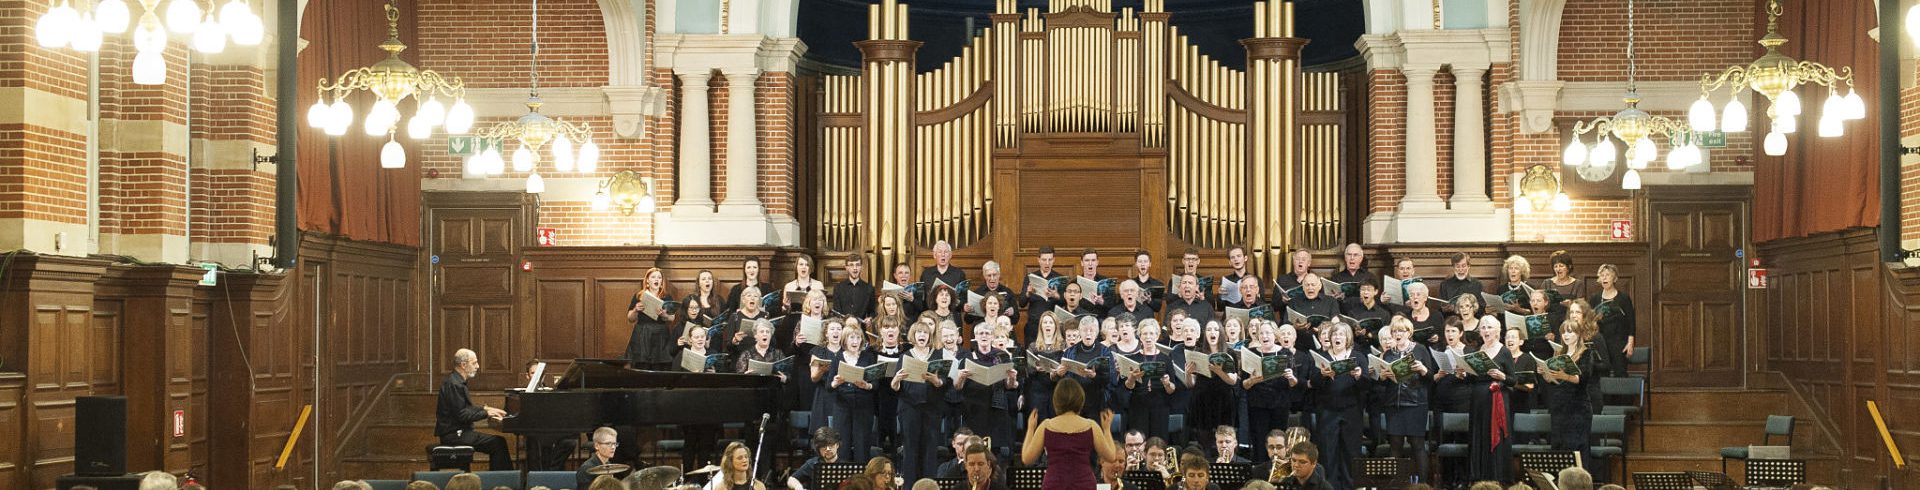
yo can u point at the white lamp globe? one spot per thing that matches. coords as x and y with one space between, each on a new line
317 114
562 153
149 68
392 155
1561 203
1788 104
112 16
522 159
432 111
1734 118
1829 126
250 32
1630 181
417 128
55 29
211 38
535 184
1575 154
589 159
183 16
1700 117
1775 144
86 35
150 36
459 117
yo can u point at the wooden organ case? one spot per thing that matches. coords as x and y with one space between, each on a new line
1082 126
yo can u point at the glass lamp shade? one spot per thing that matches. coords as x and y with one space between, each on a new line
562 153
1630 181
1857 107
1603 153
432 111
87 36
459 117
417 128
1775 144
1734 118
1830 126
183 16
149 68
249 32
1575 154
1522 205
1788 104
522 159
1785 125
1701 117
535 184
589 159
317 115
112 16
340 119
150 36
210 38
601 202
55 28
646 205
1561 203
1644 151
392 155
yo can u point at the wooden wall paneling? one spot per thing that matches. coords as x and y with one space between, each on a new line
13 427
478 289
252 378
50 302
361 300
143 319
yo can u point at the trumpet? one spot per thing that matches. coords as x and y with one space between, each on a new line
1173 467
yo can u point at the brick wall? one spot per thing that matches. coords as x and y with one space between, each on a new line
231 203
42 169
485 42
1674 39
1387 138
774 104
143 188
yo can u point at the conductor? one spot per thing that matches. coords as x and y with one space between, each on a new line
455 414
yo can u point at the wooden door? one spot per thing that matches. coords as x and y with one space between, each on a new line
1698 323
475 240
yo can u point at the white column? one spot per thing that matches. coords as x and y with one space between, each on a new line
743 147
1422 164
1469 142
696 152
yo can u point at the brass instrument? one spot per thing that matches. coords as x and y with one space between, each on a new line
1172 473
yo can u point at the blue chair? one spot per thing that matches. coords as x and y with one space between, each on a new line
555 480
437 478
1610 429
1777 425
1529 430
496 479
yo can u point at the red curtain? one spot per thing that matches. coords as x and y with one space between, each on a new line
1821 184
343 190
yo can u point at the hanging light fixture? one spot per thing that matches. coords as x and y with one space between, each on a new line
535 133
64 26
1775 76
391 81
1633 126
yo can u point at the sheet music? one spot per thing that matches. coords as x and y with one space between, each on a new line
693 362
1197 358
1229 291
764 368
989 375
539 369
812 331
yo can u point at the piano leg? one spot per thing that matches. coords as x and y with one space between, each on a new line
700 449
549 452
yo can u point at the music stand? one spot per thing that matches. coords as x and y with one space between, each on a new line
1383 472
1144 480
1229 476
1541 481
951 483
1713 481
1666 480
1776 472
1026 477
1550 462
836 474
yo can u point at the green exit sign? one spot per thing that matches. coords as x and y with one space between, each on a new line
469 145
1708 139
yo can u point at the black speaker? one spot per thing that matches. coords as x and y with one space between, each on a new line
116 482
100 436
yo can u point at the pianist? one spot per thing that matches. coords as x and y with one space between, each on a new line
605 441
455 414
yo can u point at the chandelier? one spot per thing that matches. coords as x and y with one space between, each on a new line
392 81
1633 126
1776 75
535 131
65 26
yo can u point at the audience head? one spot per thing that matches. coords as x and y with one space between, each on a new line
470 481
926 484
826 443
422 485
1611 486
1260 485
352 485
158 480
1485 485
1575 478
602 482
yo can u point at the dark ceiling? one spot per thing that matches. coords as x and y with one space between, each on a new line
829 27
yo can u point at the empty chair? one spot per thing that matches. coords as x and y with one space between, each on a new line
1530 432
1453 438
1777 425
1612 389
1643 357
1610 433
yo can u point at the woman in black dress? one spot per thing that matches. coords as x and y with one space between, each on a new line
1404 401
921 404
1046 341
703 305
1451 392
1569 395
1270 399
650 346
853 398
1212 403
1616 318
1427 321
1563 282
1149 405
1337 399
1490 423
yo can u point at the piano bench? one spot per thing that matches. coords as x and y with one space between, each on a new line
675 445
449 457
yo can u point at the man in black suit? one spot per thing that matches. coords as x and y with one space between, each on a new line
854 297
454 414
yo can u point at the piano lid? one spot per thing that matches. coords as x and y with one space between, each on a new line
613 373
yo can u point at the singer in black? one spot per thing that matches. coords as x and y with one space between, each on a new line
454 414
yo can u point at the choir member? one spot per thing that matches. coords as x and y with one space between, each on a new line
1109 332
1451 391
749 276
1541 346
854 297
1269 399
1569 395
1090 270
1337 396
984 407
943 271
1131 302
1212 394
703 305
1190 299
1150 401
1563 281
1367 308
1038 299
892 308
1234 334
887 345
649 347
1287 287
820 370
1405 399
1467 307
1517 270
990 276
920 406
1353 271
1098 375
802 283
853 398
940 304
950 347
1462 280
738 325
910 304
1491 417
1074 301
1249 293
1237 261
1616 319
1402 277
993 311
695 344
1313 302
1153 292
1190 266
762 350
1426 320
1051 343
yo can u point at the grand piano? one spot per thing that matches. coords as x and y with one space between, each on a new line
596 393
